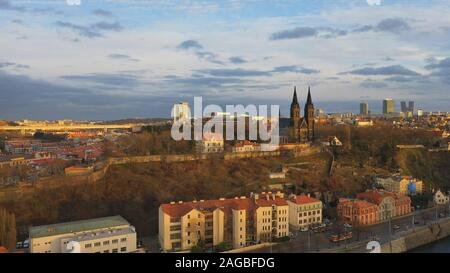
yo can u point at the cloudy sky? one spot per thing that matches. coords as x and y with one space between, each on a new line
108 59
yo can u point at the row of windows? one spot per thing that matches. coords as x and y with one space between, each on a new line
309 213
309 220
282 219
105 243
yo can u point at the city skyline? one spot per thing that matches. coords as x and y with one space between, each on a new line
122 59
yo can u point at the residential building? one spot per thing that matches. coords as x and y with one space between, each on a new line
357 212
364 123
401 184
102 235
390 204
238 221
304 211
181 112
439 198
211 143
388 106
246 146
364 108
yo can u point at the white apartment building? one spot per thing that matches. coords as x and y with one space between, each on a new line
102 235
211 143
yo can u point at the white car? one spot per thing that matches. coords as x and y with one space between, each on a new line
26 244
347 225
303 229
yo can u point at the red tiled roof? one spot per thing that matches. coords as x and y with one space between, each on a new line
361 204
303 199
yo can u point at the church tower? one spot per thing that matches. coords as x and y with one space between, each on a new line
309 116
295 118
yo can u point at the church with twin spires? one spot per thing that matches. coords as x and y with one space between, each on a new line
301 129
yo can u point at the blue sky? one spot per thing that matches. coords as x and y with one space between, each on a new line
107 59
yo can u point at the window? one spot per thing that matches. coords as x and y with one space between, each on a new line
115 241
87 245
105 243
123 249
97 244
115 250
106 251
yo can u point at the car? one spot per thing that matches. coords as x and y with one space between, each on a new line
140 244
347 225
26 244
19 245
441 215
304 229
395 227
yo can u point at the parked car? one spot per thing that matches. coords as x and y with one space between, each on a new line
26 244
347 225
304 229
395 227
19 245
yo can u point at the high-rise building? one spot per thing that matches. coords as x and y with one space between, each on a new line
364 108
388 106
419 112
407 108
181 112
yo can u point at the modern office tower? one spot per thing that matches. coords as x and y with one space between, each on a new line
407 108
364 108
181 112
388 106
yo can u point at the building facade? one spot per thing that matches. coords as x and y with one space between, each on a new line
401 184
211 143
246 146
388 106
102 235
302 129
439 198
181 112
304 211
239 221
390 204
364 108
357 212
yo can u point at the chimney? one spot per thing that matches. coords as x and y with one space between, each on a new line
172 203
180 202
221 199
195 201
202 200
243 197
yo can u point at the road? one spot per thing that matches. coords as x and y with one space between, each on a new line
319 242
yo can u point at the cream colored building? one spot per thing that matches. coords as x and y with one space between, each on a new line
439 198
239 221
102 235
401 184
304 211
211 143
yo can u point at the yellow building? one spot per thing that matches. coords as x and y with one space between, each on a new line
102 235
401 184
239 221
304 211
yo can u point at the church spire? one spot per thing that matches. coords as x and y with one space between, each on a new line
294 100
309 100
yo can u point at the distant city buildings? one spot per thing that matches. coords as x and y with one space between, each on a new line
246 146
181 112
239 221
407 108
102 235
364 108
388 106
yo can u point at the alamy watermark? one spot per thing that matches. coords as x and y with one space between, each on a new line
250 120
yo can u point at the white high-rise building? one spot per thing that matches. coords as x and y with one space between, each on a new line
181 112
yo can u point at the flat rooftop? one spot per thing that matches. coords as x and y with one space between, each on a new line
77 226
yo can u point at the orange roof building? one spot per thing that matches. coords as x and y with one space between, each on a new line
357 212
238 221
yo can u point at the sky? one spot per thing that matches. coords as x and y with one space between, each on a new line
111 59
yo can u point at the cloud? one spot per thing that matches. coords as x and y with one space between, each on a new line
106 79
6 5
295 69
440 69
296 33
370 84
102 13
237 60
12 65
188 44
386 70
47 11
91 31
122 57
238 72
394 25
